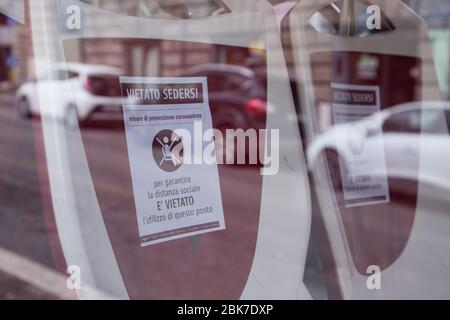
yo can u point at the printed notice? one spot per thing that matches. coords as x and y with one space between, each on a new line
174 197
363 171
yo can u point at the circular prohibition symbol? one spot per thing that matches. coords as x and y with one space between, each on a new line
168 150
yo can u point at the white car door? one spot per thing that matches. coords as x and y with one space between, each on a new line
58 80
436 152
401 132
404 134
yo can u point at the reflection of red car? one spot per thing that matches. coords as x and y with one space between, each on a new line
237 97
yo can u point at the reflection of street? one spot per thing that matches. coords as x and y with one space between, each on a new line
17 289
388 240
22 226
21 222
180 268
23 231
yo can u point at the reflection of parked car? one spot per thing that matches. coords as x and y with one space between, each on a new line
84 92
237 98
404 130
237 95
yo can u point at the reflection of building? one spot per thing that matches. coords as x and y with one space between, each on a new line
146 57
6 56
436 13
151 57
134 56
10 50
143 57
15 49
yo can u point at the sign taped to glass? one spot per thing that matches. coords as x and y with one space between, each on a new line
361 186
154 110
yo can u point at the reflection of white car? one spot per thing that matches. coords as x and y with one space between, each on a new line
403 131
83 91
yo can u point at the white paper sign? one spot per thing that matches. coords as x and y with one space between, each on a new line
174 198
363 171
